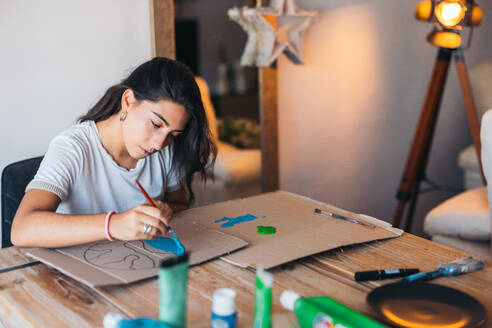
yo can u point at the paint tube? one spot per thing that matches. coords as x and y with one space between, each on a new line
223 308
451 269
116 320
263 299
173 280
324 312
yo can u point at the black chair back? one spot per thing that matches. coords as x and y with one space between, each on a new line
15 178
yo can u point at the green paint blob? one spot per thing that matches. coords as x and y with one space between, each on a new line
263 230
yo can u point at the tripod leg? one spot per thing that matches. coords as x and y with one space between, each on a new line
471 111
411 209
417 156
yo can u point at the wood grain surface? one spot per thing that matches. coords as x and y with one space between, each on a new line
162 28
269 128
38 296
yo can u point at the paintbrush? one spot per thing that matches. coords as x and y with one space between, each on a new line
181 248
457 267
149 200
341 217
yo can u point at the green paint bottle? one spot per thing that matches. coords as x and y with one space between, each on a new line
324 312
173 281
263 299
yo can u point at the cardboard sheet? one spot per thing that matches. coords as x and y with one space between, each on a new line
299 231
110 263
219 230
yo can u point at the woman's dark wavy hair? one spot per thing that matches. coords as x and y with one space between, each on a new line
166 79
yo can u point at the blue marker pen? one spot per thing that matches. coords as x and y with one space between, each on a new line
383 274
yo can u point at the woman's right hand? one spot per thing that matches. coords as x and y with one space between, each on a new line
129 225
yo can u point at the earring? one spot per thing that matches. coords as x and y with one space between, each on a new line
122 116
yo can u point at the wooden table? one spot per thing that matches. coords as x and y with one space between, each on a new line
38 296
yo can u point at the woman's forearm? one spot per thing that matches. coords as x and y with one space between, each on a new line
49 229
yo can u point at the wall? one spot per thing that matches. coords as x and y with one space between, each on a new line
347 117
57 59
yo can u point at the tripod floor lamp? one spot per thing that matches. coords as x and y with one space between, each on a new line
448 17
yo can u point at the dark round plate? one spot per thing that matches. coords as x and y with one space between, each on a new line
422 304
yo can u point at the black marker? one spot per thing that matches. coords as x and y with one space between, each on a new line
383 274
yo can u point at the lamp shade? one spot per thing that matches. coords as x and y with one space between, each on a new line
476 16
423 11
445 39
449 17
450 13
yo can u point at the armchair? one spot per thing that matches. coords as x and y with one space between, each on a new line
237 172
481 82
464 221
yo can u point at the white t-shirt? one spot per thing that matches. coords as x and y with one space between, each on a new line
80 171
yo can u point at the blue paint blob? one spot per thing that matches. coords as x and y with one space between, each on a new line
164 244
233 221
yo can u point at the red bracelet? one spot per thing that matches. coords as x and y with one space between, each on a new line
106 226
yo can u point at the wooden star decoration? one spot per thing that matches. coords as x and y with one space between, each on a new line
244 17
267 37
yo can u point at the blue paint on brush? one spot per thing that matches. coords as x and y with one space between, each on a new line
167 244
180 247
230 222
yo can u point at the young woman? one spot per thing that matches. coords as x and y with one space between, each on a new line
151 127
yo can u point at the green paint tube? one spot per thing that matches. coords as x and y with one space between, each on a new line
324 312
263 299
173 280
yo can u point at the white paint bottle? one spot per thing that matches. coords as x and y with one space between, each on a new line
223 308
